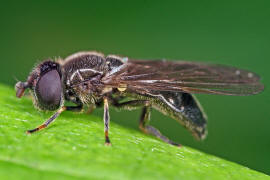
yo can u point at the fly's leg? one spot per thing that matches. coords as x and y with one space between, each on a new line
145 118
75 108
144 121
106 118
53 117
46 123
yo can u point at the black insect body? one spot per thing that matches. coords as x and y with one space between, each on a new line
90 78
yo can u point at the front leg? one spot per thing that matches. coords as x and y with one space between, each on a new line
75 108
53 117
106 119
49 121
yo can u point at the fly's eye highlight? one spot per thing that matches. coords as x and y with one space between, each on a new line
49 90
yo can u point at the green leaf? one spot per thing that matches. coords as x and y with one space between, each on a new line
73 148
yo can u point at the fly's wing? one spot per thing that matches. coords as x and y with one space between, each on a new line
189 77
172 82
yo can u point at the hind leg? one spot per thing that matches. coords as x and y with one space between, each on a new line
145 118
144 121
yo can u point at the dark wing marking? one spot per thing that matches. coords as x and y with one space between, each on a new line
190 77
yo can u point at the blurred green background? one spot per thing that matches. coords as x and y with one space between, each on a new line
226 32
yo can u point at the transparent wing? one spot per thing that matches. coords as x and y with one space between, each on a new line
190 77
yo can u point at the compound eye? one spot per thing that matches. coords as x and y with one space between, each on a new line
49 90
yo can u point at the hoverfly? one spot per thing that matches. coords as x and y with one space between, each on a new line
90 78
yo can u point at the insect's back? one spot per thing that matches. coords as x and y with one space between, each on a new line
81 66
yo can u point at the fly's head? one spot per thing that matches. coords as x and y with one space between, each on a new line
45 83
